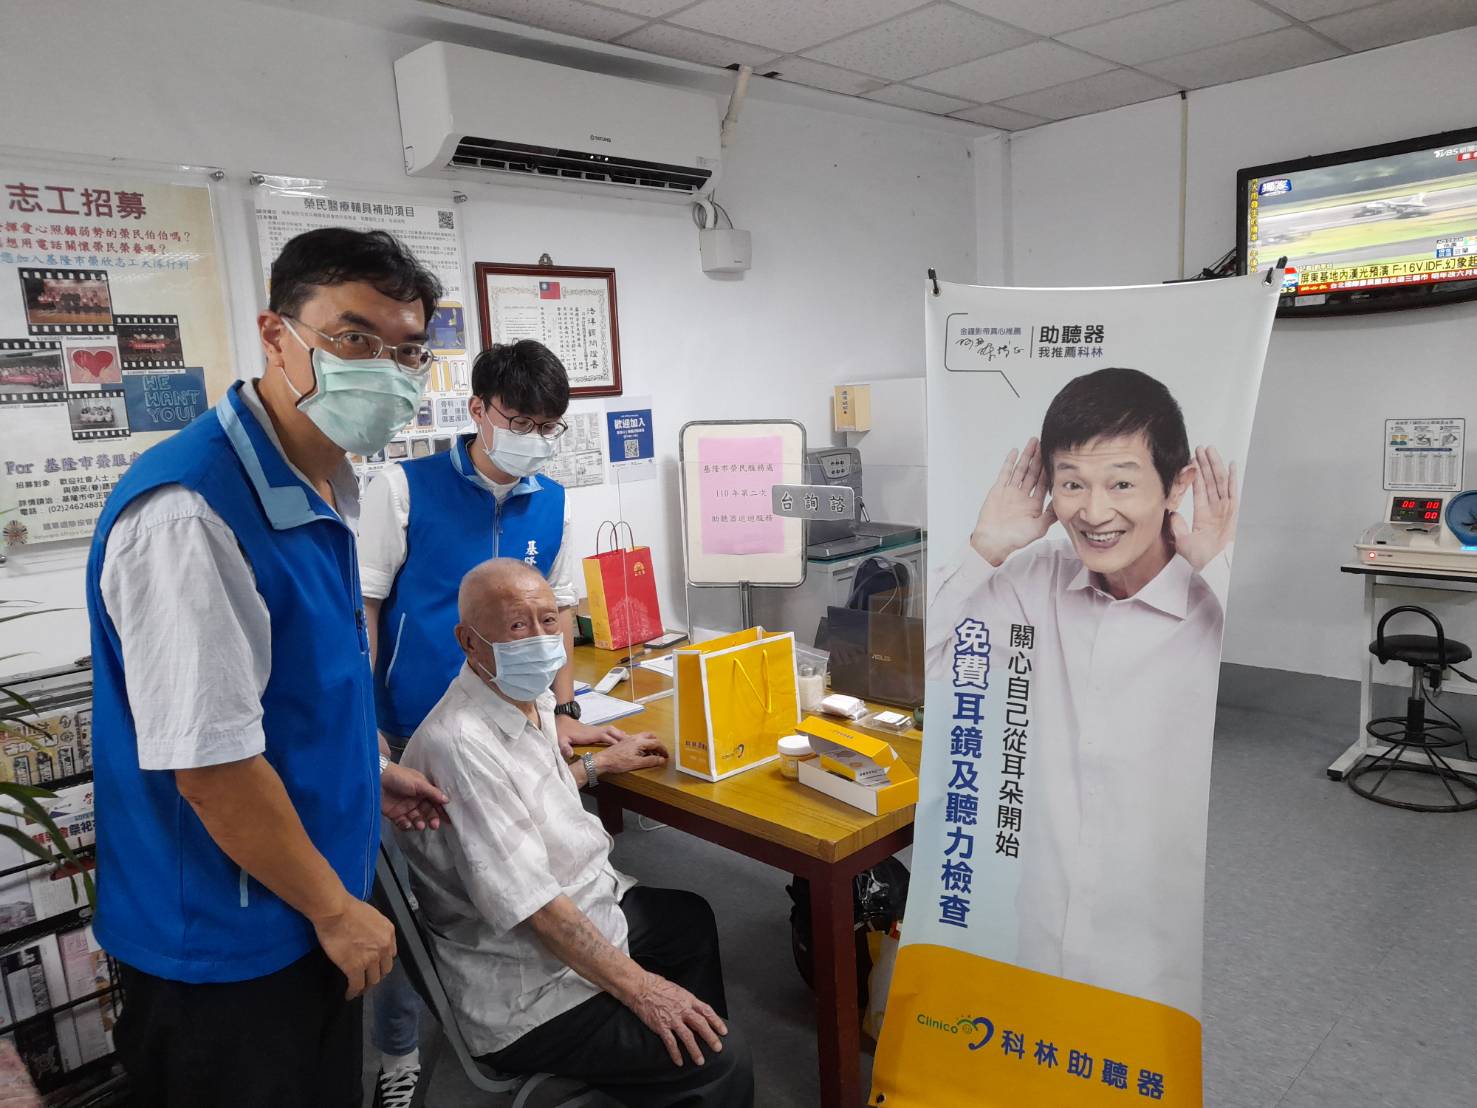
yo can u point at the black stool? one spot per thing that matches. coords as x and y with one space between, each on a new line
1428 657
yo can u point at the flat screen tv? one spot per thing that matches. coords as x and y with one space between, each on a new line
1367 230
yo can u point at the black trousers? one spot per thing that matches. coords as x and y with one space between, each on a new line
286 1040
602 1043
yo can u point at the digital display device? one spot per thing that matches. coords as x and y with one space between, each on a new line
1424 511
1392 226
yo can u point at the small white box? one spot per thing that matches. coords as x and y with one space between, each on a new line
725 250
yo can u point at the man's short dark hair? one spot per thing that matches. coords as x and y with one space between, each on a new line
525 376
338 255
1114 402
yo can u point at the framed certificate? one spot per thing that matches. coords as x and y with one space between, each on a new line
571 310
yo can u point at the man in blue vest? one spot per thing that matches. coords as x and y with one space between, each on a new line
238 777
427 522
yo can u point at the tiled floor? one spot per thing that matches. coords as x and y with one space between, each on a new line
1341 936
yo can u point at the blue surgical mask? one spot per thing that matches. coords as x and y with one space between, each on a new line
525 667
358 404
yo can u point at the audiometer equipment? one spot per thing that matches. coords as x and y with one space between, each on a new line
1423 531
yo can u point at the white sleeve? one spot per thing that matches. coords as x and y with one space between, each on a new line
970 583
1217 575
383 517
195 633
561 576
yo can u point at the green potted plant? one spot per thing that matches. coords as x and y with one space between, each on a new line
16 715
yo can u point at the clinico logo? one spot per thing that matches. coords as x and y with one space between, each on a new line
978 1030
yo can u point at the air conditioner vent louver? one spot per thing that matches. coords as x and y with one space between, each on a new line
513 157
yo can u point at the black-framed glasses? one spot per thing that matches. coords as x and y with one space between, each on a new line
412 357
527 425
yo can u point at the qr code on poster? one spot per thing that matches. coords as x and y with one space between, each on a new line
633 449
445 221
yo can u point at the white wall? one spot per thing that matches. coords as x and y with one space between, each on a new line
1095 201
846 214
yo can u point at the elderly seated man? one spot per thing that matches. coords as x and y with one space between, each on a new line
555 961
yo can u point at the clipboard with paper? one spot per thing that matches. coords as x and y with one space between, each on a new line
736 697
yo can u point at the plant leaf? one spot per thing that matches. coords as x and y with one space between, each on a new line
34 612
25 704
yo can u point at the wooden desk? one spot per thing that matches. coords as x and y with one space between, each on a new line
764 816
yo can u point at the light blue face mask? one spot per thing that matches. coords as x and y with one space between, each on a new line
359 404
525 667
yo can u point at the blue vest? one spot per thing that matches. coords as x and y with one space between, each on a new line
170 902
455 524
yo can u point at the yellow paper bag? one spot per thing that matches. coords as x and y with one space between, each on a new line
736 697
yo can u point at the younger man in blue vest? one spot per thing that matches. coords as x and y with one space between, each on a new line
239 781
427 522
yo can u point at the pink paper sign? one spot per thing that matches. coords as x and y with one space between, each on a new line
734 489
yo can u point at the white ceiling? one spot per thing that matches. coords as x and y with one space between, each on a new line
1010 64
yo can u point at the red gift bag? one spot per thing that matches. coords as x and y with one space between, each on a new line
622 587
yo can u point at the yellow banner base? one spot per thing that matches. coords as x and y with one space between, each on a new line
983 1033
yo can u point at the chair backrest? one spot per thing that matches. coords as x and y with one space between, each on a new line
1384 655
414 949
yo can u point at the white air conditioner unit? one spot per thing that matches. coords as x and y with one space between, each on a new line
479 115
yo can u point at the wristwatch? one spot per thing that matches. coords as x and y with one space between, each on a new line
570 708
591 776
384 762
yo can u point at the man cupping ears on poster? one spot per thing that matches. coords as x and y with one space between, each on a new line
1115 461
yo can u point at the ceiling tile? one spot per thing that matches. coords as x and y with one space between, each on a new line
803 71
1048 17
649 8
565 16
992 116
789 25
1397 21
1025 69
921 42
1247 57
693 46
917 99
1317 9
1173 29
1091 94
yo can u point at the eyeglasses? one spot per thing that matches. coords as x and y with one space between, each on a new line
411 357
526 425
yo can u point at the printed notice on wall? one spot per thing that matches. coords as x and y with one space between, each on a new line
632 439
429 226
1424 455
113 333
577 460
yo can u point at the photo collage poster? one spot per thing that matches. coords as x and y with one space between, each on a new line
114 333
430 228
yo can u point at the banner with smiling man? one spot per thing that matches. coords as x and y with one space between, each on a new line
1085 456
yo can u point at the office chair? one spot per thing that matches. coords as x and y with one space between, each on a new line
414 950
1429 657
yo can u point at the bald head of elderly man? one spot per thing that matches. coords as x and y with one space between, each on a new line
557 962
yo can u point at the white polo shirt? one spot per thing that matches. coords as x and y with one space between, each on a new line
518 837
1117 787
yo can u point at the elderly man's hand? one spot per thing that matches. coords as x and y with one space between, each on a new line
643 751
677 1017
573 733
409 800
